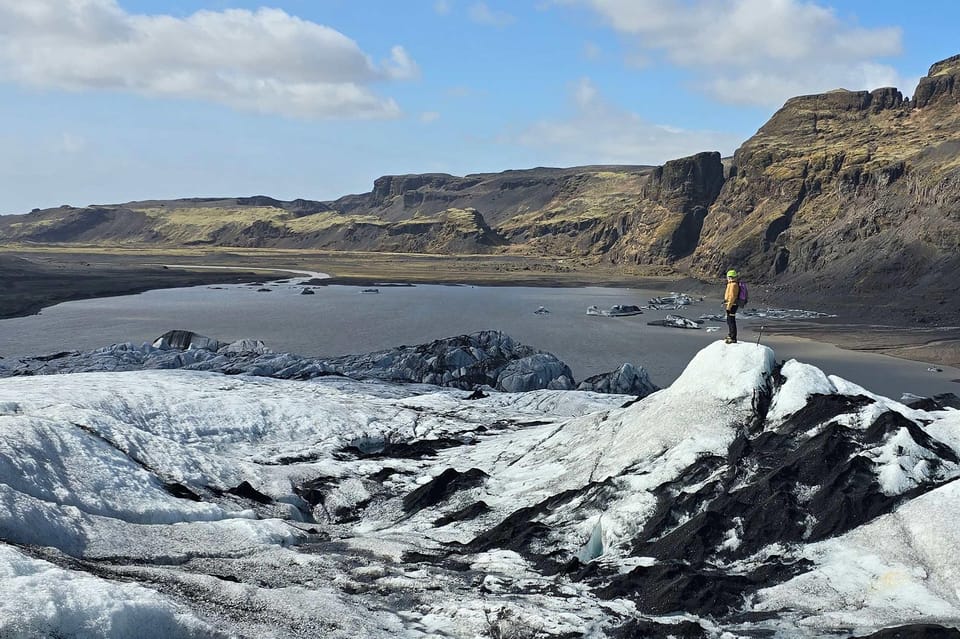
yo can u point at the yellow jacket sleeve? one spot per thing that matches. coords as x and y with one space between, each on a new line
731 295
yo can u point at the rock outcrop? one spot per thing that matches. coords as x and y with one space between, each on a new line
940 86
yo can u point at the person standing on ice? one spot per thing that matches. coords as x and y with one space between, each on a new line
731 299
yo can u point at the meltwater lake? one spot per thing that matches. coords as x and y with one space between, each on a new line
339 320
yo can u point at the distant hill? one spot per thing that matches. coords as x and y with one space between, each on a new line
843 192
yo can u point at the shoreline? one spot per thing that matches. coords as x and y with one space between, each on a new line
37 279
930 345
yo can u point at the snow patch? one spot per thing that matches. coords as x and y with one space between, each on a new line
802 381
39 599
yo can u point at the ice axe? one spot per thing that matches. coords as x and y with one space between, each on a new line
760 335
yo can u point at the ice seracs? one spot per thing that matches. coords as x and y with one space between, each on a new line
481 359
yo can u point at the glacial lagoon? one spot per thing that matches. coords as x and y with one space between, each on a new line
339 320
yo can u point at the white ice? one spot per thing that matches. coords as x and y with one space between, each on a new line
87 462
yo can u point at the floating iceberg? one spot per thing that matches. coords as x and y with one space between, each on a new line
676 321
617 310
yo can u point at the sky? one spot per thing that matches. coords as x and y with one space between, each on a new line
108 101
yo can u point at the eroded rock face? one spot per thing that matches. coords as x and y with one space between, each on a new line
941 85
848 191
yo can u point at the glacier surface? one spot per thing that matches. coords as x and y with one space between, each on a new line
748 499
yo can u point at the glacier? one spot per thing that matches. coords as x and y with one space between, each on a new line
750 498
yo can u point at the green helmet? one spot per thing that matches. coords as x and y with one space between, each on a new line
731 273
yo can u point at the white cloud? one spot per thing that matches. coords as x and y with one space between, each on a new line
600 133
266 60
401 66
745 87
756 51
482 14
429 116
442 7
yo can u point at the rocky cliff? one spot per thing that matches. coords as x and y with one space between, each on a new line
634 213
855 191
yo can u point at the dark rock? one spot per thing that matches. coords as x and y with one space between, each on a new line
314 491
247 491
466 513
940 85
390 186
915 631
688 186
643 629
885 98
416 449
181 491
442 487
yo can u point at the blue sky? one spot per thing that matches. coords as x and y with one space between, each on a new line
106 101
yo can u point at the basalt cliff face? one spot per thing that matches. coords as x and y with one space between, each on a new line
855 191
859 190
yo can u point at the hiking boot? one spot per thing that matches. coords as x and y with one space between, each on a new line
730 340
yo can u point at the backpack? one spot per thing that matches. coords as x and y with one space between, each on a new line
743 296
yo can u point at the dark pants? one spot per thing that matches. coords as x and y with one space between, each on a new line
732 323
